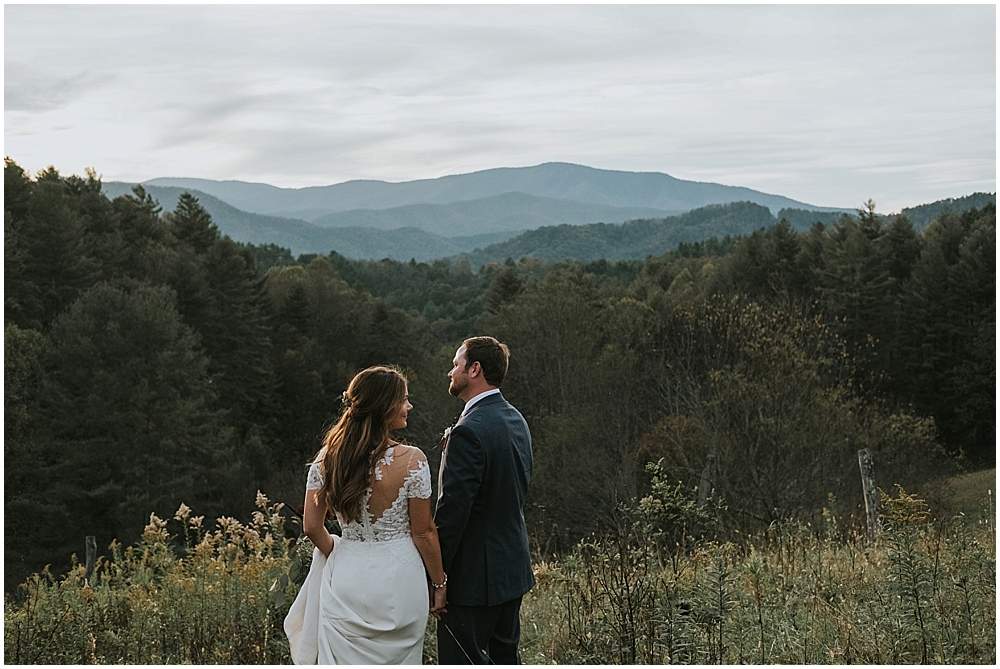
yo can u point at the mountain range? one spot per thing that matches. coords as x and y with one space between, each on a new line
558 181
550 211
635 238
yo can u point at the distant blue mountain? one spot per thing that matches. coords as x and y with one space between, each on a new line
557 181
507 212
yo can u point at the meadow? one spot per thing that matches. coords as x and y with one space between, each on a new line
658 588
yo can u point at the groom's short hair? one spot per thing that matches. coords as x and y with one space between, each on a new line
491 355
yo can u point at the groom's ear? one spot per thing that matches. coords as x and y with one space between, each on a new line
475 368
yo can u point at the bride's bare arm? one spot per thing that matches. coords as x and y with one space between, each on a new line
426 540
314 523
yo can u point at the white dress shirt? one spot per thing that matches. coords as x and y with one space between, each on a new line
468 405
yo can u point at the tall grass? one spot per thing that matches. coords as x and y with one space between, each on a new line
201 597
660 589
924 592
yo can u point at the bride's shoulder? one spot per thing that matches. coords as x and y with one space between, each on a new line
408 449
314 479
411 452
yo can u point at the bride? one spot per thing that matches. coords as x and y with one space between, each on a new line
368 592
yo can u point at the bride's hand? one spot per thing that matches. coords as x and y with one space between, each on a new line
439 598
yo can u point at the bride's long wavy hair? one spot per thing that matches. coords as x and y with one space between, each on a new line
359 437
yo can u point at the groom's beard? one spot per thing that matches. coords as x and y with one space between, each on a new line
456 387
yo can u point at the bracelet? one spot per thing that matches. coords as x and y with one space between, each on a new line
442 584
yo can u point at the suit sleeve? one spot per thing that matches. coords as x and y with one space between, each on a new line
461 479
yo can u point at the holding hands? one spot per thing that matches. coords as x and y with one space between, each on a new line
438 595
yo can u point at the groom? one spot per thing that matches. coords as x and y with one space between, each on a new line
485 469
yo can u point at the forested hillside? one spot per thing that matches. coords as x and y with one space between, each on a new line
638 239
150 360
302 237
923 214
631 240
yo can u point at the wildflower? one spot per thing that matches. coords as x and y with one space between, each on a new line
205 548
229 525
252 538
182 512
155 531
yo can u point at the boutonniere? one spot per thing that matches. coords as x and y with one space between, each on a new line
446 436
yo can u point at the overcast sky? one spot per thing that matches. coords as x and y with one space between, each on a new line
829 105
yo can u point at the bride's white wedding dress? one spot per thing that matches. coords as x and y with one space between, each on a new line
368 602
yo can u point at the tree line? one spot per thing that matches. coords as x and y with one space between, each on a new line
149 360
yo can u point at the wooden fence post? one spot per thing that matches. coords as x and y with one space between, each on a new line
871 494
706 481
91 557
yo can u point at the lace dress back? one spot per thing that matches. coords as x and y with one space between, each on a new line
371 599
401 473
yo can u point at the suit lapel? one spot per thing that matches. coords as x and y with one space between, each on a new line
444 456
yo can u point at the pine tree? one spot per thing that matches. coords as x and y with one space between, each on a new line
298 313
192 225
236 333
781 257
49 264
506 286
855 286
869 222
902 247
144 238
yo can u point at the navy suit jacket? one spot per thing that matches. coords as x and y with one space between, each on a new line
485 470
